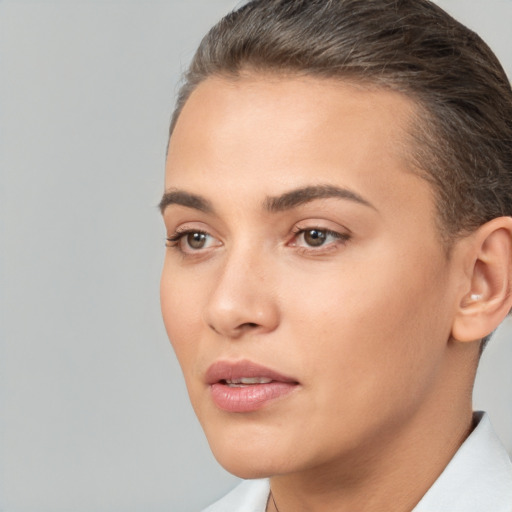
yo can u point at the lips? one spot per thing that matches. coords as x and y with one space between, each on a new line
244 386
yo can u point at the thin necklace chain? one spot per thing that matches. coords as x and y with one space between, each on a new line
274 501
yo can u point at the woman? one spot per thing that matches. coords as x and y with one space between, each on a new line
338 204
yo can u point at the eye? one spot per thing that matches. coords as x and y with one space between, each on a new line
192 240
313 237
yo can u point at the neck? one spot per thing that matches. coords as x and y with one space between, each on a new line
395 480
392 473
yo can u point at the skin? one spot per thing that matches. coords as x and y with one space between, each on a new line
362 322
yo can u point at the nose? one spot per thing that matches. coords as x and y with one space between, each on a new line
243 299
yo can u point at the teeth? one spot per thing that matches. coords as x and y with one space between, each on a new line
248 381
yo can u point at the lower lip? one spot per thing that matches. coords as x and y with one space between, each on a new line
248 398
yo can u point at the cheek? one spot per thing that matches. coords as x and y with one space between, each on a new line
179 303
182 319
375 324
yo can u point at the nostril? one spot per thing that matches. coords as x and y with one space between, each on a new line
247 326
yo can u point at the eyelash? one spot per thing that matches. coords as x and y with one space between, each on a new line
173 241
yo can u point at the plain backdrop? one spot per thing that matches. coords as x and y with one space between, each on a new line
94 415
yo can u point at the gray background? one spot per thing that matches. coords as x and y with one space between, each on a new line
94 416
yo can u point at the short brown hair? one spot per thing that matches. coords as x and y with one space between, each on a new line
463 132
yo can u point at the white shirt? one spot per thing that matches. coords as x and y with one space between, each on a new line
477 479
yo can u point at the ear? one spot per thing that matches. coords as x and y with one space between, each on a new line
486 297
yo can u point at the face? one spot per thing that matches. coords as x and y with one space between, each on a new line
305 289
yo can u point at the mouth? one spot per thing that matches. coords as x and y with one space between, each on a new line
245 381
244 386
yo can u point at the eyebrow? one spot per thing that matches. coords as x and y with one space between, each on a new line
300 196
185 199
283 202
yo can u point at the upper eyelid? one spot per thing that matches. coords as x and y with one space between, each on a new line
180 231
322 224
318 225
175 228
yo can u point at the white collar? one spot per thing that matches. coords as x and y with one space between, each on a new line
477 479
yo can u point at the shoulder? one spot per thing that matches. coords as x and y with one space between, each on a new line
249 496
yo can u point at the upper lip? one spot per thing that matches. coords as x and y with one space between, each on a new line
232 370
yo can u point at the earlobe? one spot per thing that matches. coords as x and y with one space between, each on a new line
487 297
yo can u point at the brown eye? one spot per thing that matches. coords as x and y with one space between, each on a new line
190 241
315 237
196 240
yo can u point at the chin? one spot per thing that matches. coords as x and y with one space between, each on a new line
245 469
247 454
250 467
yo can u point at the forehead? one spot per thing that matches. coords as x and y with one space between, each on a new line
294 102
260 135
